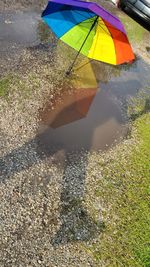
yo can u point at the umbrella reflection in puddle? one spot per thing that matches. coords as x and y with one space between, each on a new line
73 104
81 117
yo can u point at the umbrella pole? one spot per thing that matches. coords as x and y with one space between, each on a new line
70 68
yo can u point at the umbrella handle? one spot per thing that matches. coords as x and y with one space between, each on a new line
71 67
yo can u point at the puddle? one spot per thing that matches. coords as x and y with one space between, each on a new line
102 125
130 81
95 120
86 117
20 30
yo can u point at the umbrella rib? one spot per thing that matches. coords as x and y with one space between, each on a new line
76 11
92 26
112 38
103 29
84 21
110 27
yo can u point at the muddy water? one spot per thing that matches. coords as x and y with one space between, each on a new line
95 121
102 125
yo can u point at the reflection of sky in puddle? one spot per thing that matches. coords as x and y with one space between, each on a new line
19 27
18 31
130 80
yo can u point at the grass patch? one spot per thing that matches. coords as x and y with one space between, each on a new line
11 83
125 187
137 208
23 86
5 85
135 31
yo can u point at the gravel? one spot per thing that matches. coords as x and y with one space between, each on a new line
47 203
43 218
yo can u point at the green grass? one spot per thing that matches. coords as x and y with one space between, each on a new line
5 86
139 228
135 31
10 83
126 188
15 83
135 201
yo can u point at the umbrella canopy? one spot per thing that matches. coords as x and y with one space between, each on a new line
90 29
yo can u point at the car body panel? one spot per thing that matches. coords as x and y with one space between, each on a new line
140 7
146 2
146 11
132 1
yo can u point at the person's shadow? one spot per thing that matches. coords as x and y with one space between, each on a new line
76 223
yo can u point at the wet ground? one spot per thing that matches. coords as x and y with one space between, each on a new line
18 31
104 121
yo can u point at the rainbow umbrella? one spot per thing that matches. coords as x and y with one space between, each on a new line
90 29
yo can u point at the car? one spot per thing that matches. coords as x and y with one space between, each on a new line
139 7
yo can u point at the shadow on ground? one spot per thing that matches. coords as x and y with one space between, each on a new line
76 223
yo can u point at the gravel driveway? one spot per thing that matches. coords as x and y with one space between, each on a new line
46 216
